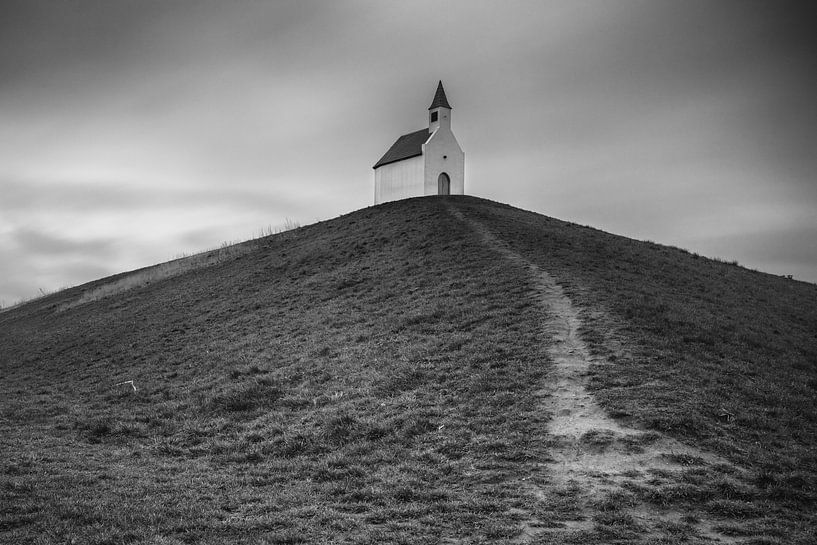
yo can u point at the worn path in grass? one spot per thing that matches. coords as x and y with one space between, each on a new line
596 463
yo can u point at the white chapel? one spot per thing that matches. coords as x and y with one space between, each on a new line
424 162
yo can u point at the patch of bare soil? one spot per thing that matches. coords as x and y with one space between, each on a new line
599 469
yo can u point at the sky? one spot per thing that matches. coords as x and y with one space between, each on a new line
133 131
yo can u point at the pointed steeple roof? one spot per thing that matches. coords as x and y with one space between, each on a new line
439 98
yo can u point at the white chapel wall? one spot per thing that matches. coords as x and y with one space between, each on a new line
442 153
399 180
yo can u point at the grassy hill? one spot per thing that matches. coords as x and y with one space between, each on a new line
383 378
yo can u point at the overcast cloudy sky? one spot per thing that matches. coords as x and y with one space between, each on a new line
133 131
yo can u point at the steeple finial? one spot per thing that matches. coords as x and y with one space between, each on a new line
440 99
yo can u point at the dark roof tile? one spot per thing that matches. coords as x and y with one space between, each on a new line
408 145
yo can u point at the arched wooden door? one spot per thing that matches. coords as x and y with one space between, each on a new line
443 184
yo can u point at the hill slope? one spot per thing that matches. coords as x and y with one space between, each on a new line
416 372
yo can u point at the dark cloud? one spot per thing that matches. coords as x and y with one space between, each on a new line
30 277
24 197
166 125
35 243
36 262
784 251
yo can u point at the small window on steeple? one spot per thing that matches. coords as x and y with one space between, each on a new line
433 117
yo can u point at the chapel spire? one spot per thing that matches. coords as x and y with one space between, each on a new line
440 100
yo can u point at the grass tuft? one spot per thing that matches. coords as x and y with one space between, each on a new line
245 397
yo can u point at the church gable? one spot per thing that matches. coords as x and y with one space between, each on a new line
442 139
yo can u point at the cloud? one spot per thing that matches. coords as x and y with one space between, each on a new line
785 251
42 243
27 195
165 125
27 198
38 260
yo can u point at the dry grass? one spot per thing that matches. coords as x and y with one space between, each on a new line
355 382
373 379
715 355
139 278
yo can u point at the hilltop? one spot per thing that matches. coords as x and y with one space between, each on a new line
434 370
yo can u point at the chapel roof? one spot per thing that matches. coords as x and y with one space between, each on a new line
440 99
408 145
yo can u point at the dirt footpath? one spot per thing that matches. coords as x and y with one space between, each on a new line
599 469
